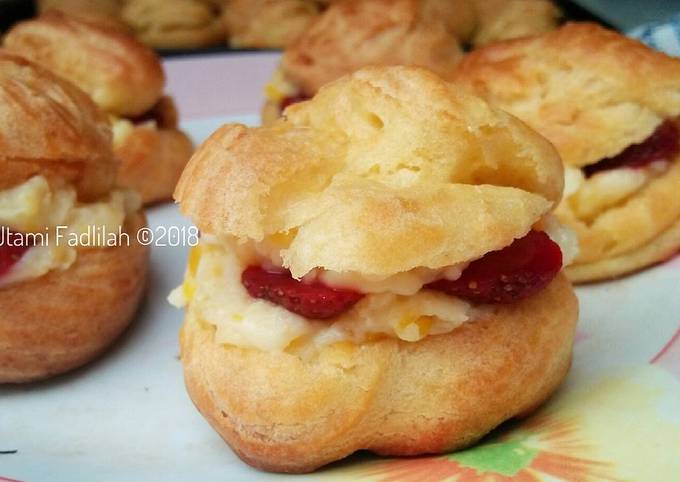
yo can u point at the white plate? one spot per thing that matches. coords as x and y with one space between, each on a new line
127 416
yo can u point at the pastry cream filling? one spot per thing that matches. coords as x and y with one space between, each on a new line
394 306
216 296
122 128
606 189
279 87
57 219
268 253
565 237
621 176
405 284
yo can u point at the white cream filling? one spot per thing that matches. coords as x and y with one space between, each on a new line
405 284
123 128
213 291
394 306
565 237
268 253
279 87
605 189
58 220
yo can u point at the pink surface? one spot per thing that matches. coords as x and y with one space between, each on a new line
219 84
674 261
580 335
669 356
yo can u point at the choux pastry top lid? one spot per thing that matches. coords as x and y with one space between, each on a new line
50 127
590 91
356 33
383 171
123 76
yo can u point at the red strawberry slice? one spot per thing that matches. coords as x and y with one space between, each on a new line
292 99
13 247
510 274
507 275
311 300
663 144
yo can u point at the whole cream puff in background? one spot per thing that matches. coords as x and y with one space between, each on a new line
61 305
125 79
609 104
353 34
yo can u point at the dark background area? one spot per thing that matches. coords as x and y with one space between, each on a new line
13 10
621 14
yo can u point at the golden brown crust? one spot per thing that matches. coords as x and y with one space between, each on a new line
284 414
358 33
175 24
50 127
267 23
507 19
152 161
121 75
372 149
64 319
657 250
592 92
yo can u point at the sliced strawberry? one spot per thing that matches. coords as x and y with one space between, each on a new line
13 247
313 300
292 99
663 144
507 275
504 276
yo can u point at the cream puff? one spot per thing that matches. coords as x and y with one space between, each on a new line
356 33
459 16
609 104
175 24
71 271
107 12
507 19
267 23
378 270
125 79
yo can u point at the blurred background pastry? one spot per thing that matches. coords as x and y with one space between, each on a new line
106 12
506 19
380 270
125 78
275 24
61 303
459 16
610 105
267 23
175 24
355 33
